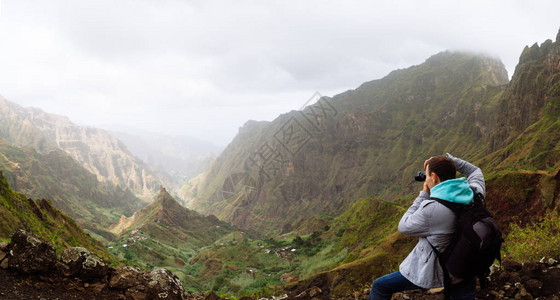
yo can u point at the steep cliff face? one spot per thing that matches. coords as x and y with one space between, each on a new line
534 88
366 141
94 149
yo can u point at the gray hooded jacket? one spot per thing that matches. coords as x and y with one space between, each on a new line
434 223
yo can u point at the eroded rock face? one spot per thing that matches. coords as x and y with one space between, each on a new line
84 264
29 254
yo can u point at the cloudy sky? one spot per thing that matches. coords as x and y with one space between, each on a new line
202 68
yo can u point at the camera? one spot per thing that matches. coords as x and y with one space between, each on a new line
420 176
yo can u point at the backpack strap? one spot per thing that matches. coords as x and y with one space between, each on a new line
478 199
454 207
446 277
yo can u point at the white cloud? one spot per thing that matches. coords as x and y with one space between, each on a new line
202 68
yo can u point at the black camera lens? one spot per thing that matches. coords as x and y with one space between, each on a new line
420 176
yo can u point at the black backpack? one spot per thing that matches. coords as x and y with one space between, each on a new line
475 244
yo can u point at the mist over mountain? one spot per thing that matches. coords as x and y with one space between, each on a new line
180 157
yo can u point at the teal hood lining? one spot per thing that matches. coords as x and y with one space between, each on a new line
453 190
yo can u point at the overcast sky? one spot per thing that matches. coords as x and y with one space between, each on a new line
203 68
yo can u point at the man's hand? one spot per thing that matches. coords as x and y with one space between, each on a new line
426 187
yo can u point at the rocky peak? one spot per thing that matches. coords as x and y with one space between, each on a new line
252 125
480 63
546 55
495 67
164 209
533 85
248 130
167 201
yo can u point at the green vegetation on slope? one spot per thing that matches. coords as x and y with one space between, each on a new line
534 241
41 218
358 244
166 234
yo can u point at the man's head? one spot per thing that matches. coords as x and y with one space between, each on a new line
439 169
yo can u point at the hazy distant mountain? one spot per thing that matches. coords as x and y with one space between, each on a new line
94 149
180 157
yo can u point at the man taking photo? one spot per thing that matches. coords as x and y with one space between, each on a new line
434 225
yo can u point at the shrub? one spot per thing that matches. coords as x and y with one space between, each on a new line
298 241
534 241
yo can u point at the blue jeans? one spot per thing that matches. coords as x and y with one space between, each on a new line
384 287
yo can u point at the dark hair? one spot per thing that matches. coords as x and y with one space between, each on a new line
443 166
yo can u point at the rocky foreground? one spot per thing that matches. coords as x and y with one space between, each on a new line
31 270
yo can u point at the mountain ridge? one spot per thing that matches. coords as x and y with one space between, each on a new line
338 147
166 212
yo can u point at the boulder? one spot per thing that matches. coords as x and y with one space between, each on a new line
125 278
29 254
84 264
162 284
511 266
